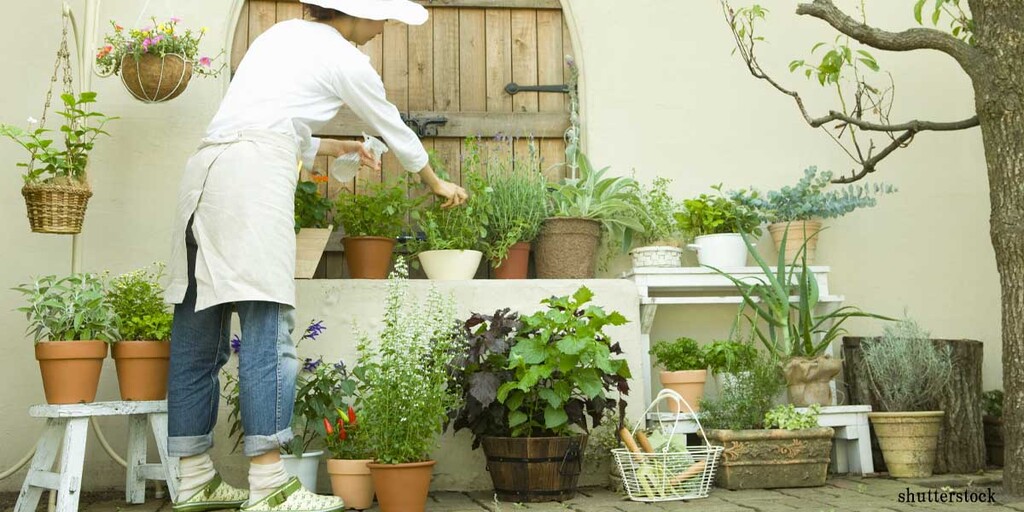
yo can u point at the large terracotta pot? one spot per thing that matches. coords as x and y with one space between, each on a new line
368 257
535 469
689 384
769 459
70 369
516 265
402 487
808 378
351 480
153 78
450 265
567 248
908 441
142 369
796 233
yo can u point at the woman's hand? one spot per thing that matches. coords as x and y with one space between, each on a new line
454 194
336 148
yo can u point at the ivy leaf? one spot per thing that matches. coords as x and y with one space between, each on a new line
554 417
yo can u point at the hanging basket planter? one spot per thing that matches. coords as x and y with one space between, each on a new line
153 79
56 208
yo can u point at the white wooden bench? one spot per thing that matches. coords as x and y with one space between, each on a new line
851 447
66 430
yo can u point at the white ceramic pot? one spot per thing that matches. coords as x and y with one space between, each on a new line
306 467
661 256
720 251
450 265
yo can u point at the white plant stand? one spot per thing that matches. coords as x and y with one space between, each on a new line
66 429
851 447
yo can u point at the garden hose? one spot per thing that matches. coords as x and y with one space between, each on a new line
18 465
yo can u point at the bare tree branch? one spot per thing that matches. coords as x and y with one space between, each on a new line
910 39
868 166
915 125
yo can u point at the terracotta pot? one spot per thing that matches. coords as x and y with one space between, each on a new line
450 265
516 264
70 370
567 248
351 480
402 487
807 379
368 257
796 233
142 369
908 441
689 384
769 459
153 78
535 469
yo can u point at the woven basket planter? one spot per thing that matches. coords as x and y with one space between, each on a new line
662 256
56 208
153 79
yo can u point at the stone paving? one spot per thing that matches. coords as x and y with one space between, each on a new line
840 494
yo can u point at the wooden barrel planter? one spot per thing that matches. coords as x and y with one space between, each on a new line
535 469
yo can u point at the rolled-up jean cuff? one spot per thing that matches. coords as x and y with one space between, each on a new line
258 445
187 446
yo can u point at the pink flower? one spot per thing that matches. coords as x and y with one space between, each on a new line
205 62
118 28
158 38
175 20
146 44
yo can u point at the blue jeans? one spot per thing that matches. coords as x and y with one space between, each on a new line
267 368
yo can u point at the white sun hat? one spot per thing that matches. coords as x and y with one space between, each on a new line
404 11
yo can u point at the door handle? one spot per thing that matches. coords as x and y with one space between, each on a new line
514 88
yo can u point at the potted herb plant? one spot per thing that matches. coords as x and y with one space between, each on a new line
662 234
765 447
155 62
583 210
726 358
796 211
56 190
142 352
518 207
529 385
717 224
453 237
992 405
312 226
372 221
685 370
348 466
71 322
907 373
786 299
406 392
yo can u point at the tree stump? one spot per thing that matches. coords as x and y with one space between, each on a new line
961 446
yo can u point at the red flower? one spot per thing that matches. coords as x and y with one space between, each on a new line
328 428
351 415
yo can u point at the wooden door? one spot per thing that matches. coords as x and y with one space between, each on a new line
457 65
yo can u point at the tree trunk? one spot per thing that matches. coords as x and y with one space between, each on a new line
999 99
961 445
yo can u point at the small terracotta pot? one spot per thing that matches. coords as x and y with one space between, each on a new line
402 487
351 480
153 78
689 384
516 264
368 257
70 370
796 233
142 369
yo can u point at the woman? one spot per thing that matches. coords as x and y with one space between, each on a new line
234 242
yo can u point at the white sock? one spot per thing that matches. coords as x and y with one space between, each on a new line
195 472
265 479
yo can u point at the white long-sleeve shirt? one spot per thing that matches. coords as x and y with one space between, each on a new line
294 79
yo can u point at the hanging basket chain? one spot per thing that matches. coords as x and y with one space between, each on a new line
61 66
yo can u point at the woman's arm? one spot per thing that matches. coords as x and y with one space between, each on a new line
335 148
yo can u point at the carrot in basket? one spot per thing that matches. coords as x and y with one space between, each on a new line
690 472
644 442
627 439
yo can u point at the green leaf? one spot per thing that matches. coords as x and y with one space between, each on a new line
550 396
531 350
917 10
571 345
590 383
554 417
872 65
583 295
938 12
516 418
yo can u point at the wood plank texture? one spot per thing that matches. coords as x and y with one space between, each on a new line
508 4
262 15
464 124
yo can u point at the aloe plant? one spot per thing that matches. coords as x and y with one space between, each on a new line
610 200
792 329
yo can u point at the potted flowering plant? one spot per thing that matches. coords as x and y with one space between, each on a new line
56 190
350 458
372 221
142 352
406 392
155 62
312 226
71 321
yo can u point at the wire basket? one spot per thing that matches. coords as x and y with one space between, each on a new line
668 475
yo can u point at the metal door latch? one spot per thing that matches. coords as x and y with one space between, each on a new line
514 88
424 126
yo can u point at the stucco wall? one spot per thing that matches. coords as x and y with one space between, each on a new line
662 96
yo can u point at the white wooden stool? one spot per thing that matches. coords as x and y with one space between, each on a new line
851 447
72 423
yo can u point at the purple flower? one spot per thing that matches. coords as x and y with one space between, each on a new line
315 329
310 365
340 366
236 344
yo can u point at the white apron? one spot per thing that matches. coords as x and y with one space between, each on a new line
240 189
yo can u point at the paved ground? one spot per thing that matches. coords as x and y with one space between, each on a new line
840 494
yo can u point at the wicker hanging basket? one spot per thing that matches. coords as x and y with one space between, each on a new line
153 79
56 208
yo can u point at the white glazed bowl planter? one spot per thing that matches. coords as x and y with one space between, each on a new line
720 251
450 265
